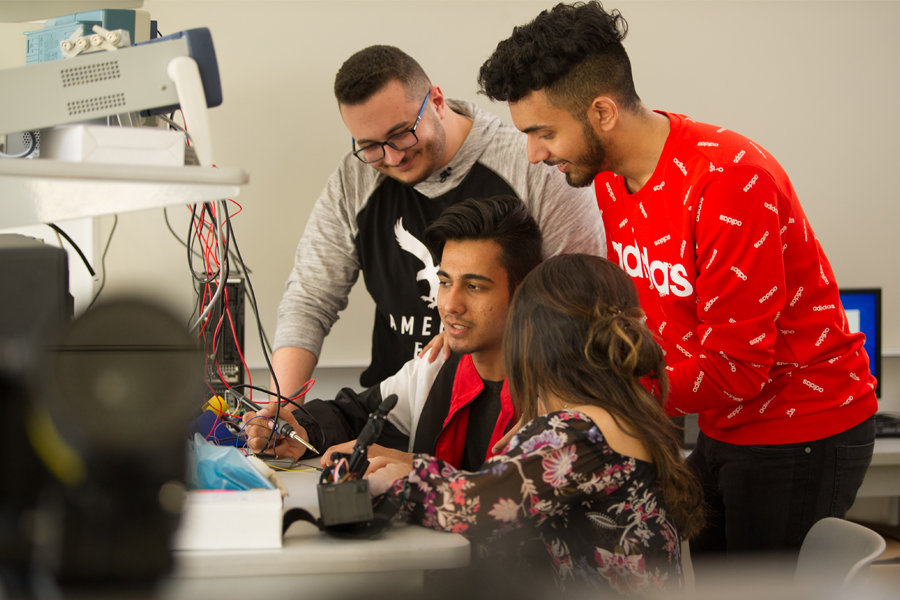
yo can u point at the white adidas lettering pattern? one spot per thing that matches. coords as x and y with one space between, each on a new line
768 295
651 256
752 181
697 381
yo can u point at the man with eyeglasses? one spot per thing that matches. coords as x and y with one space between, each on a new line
414 152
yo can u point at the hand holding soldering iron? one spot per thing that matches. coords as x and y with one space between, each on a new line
259 423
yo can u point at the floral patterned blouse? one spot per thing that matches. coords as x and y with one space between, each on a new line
598 516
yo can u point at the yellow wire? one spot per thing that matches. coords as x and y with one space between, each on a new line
307 470
57 455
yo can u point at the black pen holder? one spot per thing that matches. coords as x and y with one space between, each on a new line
347 502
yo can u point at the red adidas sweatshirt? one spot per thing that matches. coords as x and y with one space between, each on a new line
735 283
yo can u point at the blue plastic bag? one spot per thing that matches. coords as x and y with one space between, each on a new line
212 467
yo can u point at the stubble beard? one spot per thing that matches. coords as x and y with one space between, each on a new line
431 151
592 158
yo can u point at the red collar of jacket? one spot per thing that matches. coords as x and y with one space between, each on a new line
467 384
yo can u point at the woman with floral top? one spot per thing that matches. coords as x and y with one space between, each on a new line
594 479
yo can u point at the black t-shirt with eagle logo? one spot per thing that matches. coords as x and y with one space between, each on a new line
405 322
365 221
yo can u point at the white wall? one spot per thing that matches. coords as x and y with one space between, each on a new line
816 83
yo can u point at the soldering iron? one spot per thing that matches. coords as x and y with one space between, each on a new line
282 427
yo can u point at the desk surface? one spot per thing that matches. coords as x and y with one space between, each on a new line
887 451
306 550
323 567
883 477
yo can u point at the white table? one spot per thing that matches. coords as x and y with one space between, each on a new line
312 564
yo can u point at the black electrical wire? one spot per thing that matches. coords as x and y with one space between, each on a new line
194 253
190 241
191 253
263 390
259 329
243 270
103 262
196 305
221 325
211 277
251 300
75 246
198 287
252 304
214 334
224 270
175 235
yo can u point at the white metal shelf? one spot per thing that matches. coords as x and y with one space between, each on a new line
45 191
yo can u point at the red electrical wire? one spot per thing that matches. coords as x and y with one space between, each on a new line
184 122
234 336
207 237
240 208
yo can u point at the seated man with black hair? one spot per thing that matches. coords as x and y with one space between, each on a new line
457 409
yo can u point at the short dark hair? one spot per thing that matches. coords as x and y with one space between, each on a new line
365 73
572 52
503 219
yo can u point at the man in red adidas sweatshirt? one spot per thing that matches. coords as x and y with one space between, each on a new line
729 271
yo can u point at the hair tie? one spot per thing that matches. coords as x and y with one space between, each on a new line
611 311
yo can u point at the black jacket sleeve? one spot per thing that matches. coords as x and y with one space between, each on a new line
330 422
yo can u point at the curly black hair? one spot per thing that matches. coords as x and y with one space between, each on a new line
574 52
367 72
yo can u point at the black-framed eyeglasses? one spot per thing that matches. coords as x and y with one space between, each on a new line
399 141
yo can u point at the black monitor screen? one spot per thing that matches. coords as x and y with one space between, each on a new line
863 309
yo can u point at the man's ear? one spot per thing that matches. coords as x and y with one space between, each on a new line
603 114
436 99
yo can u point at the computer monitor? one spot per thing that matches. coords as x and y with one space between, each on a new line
863 309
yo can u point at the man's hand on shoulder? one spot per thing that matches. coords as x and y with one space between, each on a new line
440 342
